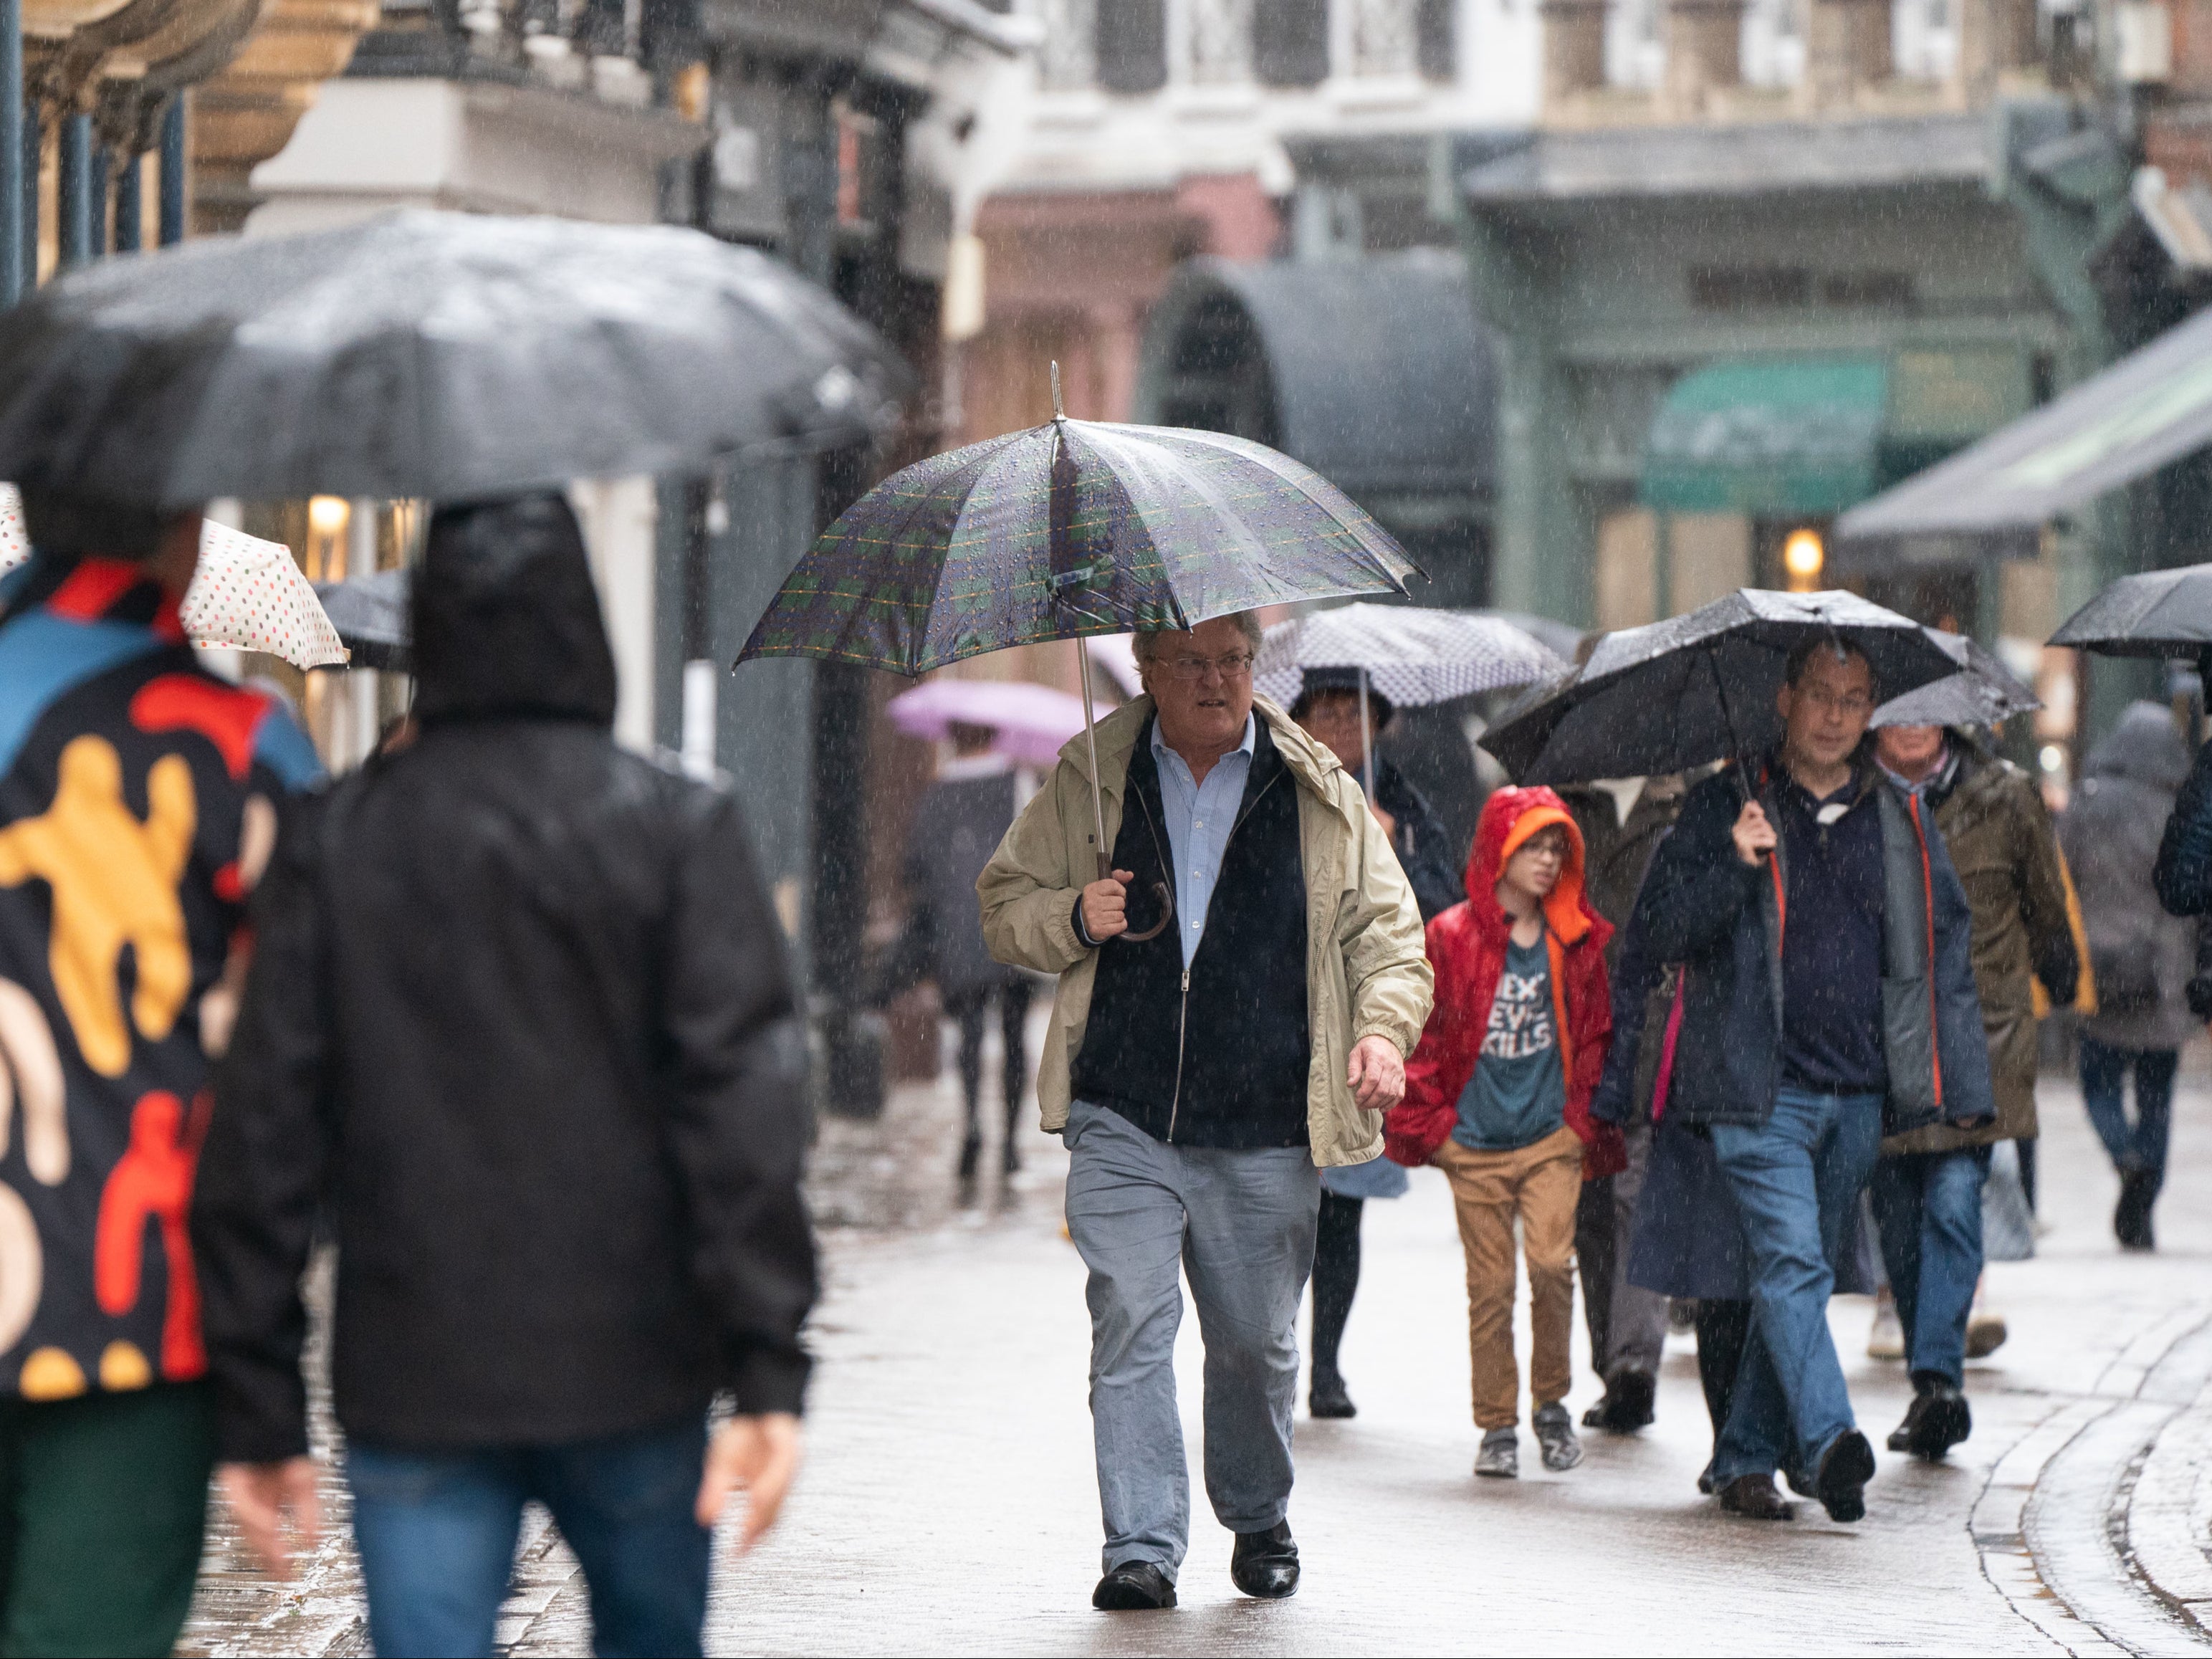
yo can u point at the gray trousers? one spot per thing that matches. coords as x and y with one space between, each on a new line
1240 1225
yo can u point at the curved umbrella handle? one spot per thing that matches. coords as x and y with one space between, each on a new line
1167 915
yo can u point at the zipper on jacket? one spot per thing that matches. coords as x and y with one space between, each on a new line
1182 1027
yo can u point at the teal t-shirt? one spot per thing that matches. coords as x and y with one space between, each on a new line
1518 1093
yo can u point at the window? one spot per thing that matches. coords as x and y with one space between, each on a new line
1133 44
1289 42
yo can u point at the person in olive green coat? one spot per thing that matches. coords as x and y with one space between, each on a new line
1927 1188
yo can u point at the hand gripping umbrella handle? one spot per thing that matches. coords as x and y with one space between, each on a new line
1159 888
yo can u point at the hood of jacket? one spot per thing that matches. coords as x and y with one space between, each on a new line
1510 817
2143 748
506 621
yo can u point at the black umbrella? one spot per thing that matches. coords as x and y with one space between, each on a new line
371 615
1674 694
1983 692
2160 613
443 354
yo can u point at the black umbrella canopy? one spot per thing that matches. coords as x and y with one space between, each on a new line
1983 692
1676 694
2160 613
443 354
371 615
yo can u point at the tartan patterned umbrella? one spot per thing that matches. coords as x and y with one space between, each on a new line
1071 528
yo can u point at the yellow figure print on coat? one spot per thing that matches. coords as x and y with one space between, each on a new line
114 883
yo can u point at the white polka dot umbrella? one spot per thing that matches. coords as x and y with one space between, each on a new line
249 594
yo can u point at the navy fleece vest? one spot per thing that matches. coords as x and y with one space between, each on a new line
1224 1062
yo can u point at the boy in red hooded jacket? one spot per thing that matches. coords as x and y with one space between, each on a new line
1498 1095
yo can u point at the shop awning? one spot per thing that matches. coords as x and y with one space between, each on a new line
1774 437
2152 407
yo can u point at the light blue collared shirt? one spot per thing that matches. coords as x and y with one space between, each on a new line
1200 816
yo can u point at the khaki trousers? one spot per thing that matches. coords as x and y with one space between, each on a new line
1540 1183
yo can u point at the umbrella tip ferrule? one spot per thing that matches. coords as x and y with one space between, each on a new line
1058 412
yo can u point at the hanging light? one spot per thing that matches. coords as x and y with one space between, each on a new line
1802 556
327 514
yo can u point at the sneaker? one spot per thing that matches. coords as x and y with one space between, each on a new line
1886 1340
1500 1457
1555 1433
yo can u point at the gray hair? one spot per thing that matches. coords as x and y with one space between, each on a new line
1145 642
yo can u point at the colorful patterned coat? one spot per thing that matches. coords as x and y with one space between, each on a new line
139 805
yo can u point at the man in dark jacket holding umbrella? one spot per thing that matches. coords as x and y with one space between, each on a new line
519 1025
1830 994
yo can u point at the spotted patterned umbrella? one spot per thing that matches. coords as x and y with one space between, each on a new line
248 595
1069 529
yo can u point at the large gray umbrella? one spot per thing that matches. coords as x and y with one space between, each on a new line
1983 692
442 355
1676 694
372 615
2160 613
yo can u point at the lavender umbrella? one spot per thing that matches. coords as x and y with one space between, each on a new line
1031 721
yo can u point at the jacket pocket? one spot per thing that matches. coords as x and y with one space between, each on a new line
1908 1040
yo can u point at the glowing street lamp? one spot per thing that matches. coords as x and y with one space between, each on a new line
1803 557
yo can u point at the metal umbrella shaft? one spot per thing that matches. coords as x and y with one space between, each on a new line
1058 532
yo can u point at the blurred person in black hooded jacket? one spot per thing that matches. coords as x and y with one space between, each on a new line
520 1024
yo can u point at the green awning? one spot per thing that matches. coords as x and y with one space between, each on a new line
1777 437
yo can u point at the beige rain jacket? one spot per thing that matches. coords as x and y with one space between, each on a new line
1367 966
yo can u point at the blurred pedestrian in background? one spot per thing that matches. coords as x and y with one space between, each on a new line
139 803
1795 1054
1201 1069
1926 1186
521 1018
2141 956
1622 820
956 827
1498 1095
1327 707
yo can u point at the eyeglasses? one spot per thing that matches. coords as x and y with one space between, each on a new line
1232 665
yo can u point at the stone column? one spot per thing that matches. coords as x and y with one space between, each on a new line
1574 48
1704 52
1847 46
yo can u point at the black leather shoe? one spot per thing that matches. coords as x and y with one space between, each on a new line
1753 1497
1900 1437
1327 1397
1845 1471
1134 1587
1626 1407
1266 1563
1940 1418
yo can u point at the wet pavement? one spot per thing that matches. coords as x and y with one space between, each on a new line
949 1504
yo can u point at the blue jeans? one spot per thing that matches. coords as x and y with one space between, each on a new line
1797 1178
2103 1081
436 1531
1239 1225
1928 1209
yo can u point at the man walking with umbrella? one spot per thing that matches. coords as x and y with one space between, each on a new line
1829 991
1202 1069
